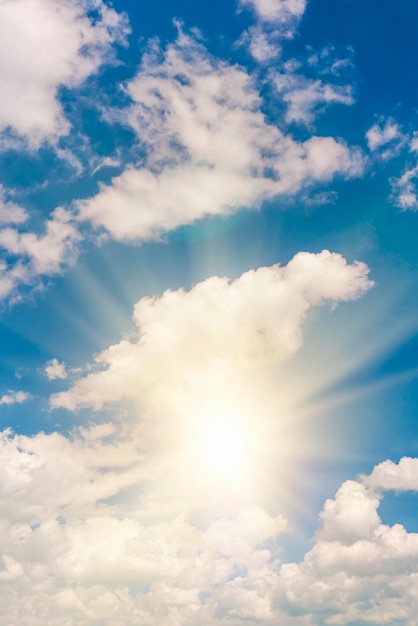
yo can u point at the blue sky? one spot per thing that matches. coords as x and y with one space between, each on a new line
208 279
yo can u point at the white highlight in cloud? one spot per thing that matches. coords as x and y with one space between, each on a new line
210 150
45 45
54 369
14 397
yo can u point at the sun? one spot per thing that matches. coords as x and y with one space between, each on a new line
225 449
224 446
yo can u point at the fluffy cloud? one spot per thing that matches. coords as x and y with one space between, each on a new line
209 149
404 190
30 256
76 549
45 45
277 12
14 397
402 476
385 139
247 323
10 213
359 569
198 378
276 20
54 369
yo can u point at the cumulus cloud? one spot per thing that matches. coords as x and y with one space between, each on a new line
30 256
14 397
402 476
209 149
404 190
54 369
76 549
198 377
278 12
10 213
276 20
385 139
45 45
249 322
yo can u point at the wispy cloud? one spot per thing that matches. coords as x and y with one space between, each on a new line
210 149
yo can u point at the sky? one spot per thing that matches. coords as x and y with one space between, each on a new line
208 313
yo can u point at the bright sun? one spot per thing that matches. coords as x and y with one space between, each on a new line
225 446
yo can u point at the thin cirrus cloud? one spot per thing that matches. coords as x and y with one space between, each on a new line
209 148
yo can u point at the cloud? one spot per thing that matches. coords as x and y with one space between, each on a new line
209 148
306 97
404 191
249 322
276 20
10 213
54 369
14 397
76 548
45 45
30 257
385 139
263 44
197 379
402 476
278 12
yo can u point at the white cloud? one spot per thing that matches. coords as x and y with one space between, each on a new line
402 476
76 549
44 45
250 322
54 369
306 97
263 45
378 135
202 368
210 150
35 255
359 569
404 190
10 213
14 397
277 12
385 139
